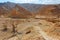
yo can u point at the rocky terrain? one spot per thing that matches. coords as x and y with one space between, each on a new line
16 10
29 21
29 29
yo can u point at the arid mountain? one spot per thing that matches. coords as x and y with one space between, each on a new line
50 10
20 12
31 7
16 10
5 8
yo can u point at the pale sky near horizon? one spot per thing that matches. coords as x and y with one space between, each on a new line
34 1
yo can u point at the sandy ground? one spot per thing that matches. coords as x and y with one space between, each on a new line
29 29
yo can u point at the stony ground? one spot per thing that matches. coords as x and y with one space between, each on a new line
29 29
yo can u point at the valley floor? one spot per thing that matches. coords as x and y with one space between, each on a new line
29 29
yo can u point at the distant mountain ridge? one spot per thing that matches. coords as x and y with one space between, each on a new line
30 7
9 9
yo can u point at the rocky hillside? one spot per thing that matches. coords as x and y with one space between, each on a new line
50 11
16 10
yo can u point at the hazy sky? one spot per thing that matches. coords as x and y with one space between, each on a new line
34 1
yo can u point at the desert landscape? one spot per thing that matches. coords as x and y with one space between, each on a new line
29 21
29 29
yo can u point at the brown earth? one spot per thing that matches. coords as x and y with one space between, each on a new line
29 29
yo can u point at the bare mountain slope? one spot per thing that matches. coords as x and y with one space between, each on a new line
29 10
50 10
20 12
